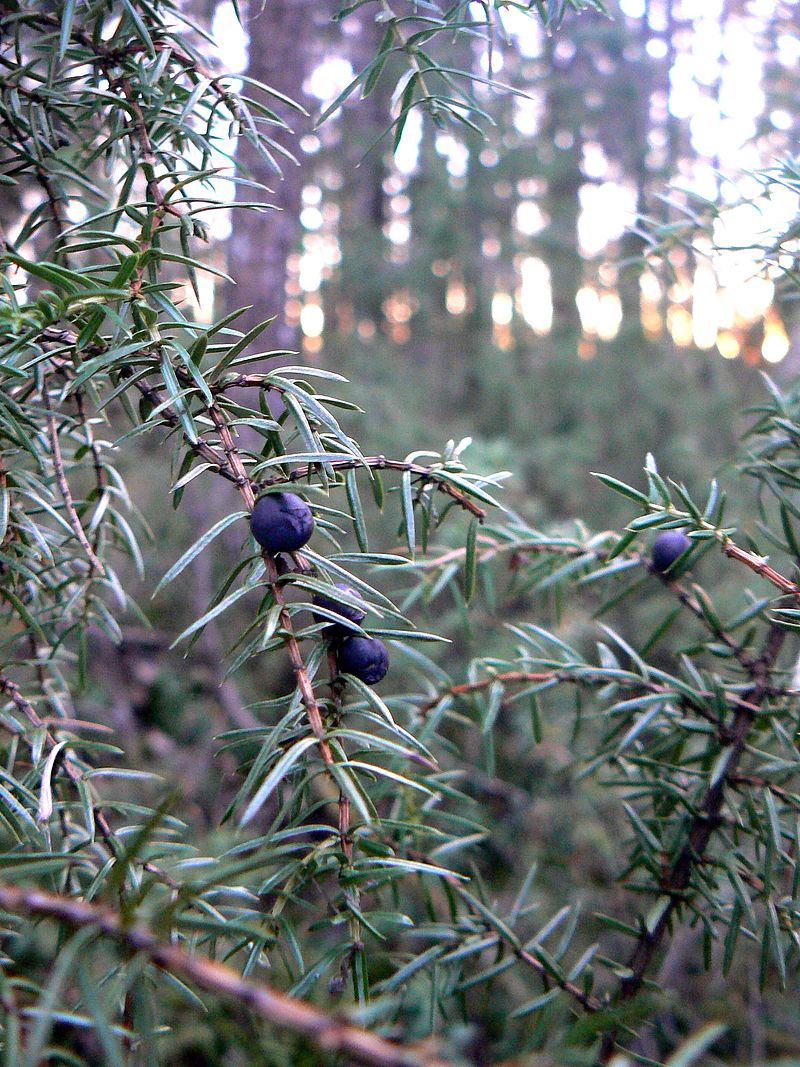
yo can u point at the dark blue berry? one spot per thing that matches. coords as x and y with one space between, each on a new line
281 522
366 658
666 549
347 611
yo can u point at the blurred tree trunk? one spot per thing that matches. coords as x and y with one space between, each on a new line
562 156
782 91
260 243
479 282
678 146
633 89
364 148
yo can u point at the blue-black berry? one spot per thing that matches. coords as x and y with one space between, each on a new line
347 611
366 658
281 522
666 549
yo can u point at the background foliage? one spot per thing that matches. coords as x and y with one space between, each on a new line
564 829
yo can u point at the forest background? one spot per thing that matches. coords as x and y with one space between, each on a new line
578 283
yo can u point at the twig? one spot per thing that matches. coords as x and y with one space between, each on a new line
428 474
200 447
693 604
298 665
585 678
66 494
99 473
236 472
42 177
505 678
328 1032
760 567
757 782
351 892
344 802
239 475
139 134
224 94
234 460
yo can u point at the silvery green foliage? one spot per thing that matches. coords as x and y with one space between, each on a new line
347 862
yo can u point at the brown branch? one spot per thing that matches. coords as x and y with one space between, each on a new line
298 666
107 55
234 460
758 782
139 135
759 566
246 381
586 1000
42 178
351 892
238 474
701 830
427 474
99 472
693 604
566 676
505 678
200 447
59 222
57 335
493 548
344 802
328 1032
224 94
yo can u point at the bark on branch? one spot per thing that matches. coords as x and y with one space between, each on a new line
329 1032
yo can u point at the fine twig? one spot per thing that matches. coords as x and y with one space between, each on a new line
344 802
504 934
100 478
41 175
235 466
298 665
582 676
64 489
426 474
759 566
756 781
331 1033
239 476
139 134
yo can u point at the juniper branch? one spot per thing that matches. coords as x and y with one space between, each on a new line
331 1033
700 832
